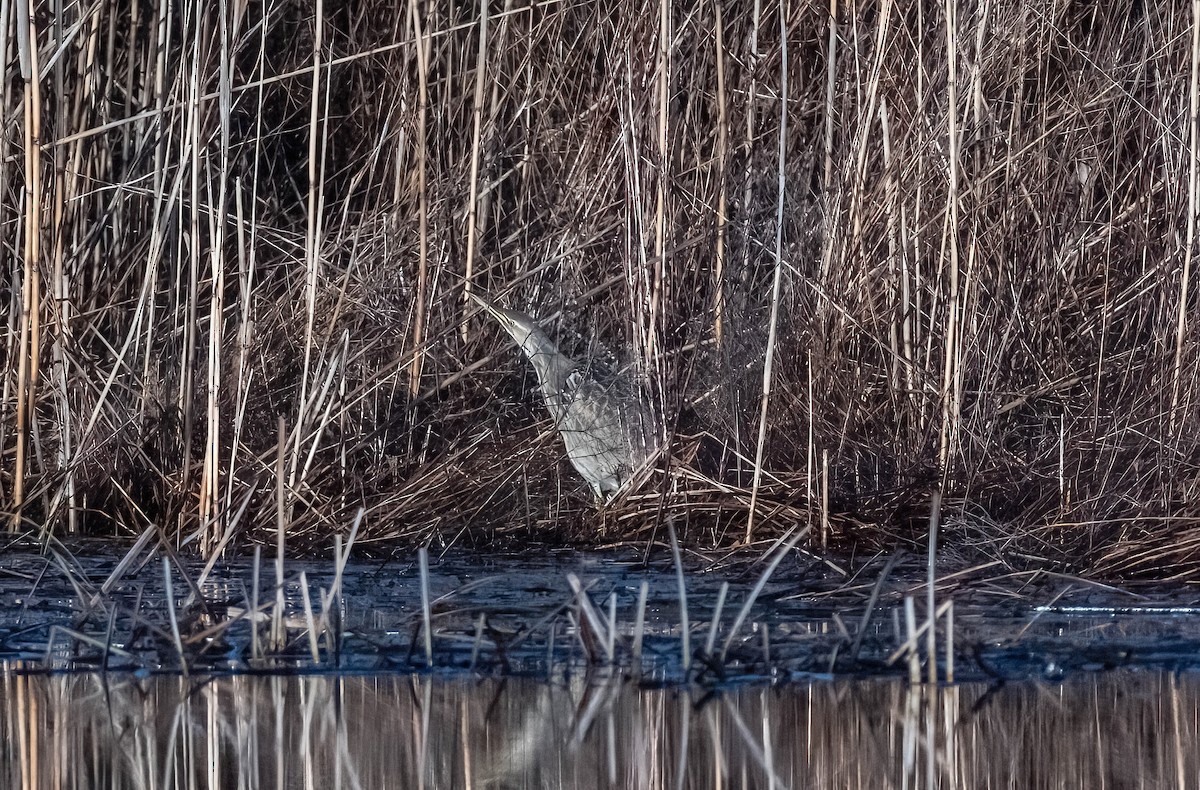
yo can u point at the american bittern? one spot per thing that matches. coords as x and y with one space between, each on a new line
607 427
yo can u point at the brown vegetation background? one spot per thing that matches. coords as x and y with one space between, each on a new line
236 238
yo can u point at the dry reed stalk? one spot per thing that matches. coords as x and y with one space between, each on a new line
30 309
831 61
662 182
312 236
751 119
210 491
7 12
422 44
186 301
1193 208
64 192
721 164
777 280
951 395
245 279
476 146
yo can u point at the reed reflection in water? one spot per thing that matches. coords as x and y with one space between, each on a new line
398 731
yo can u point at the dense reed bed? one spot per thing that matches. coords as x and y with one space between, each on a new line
852 257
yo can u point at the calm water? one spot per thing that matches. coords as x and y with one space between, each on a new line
518 616
1067 683
1126 730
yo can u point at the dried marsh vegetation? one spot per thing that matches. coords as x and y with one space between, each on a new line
851 258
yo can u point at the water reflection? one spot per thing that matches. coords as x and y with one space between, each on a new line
323 731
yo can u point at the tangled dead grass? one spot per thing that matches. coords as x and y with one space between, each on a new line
962 234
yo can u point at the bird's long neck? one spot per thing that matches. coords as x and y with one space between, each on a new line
552 368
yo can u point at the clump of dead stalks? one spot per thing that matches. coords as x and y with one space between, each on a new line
852 259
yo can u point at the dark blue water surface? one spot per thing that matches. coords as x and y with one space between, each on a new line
518 616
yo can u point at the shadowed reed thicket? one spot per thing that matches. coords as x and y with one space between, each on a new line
237 239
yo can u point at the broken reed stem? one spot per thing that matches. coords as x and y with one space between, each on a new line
685 627
255 648
86 639
310 622
1178 727
715 624
170 592
426 611
278 635
869 611
950 641
824 500
331 604
777 280
610 646
342 555
108 638
910 643
590 617
935 510
744 612
477 642
639 628
810 447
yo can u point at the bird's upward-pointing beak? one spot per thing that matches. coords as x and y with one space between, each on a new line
479 300
491 309
506 318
